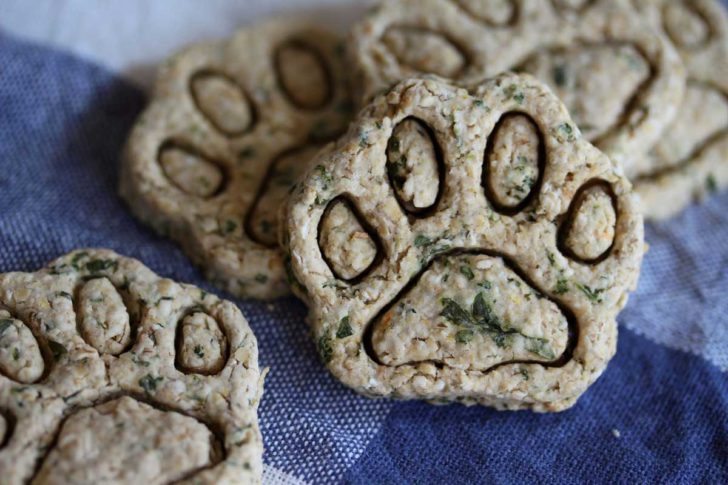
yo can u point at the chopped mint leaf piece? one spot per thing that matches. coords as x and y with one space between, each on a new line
344 329
149 383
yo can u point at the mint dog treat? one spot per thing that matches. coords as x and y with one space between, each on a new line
496 279
691 159
230 127
110 373
621 81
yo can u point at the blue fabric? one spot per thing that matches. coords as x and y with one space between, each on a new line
669 410
63 122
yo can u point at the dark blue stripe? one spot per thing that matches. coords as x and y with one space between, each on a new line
671 410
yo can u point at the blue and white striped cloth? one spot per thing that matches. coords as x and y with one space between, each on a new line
659 414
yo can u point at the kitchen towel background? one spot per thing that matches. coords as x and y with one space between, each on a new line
74 75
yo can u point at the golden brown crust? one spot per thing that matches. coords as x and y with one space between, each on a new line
619 78
431 267
82 375
229 128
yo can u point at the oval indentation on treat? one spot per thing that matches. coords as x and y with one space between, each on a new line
473 312
414 165
346 241
103 318
222 102
303 75
20 355
127 441
493 12
513 161
262 221
588 231
202 346
190 171
685 26
597 82
425 51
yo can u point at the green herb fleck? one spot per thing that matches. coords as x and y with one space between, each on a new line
344 329
199 352
512 92
465 270
524 372
481 318
16 353
552 258
541 347
464 336
97 265
149 383
566 130
455 313
324 175
397 171
261 278
76 258
363 140
421 240
592 294
324 348
562 286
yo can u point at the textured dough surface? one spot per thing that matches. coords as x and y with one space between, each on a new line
229 128
691 159
20 355
130 412
619 78
350 249
412 165
125 441
591 229
513 161
471 302
447 318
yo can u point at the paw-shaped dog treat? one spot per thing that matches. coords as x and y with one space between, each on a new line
109 373
620 80
501 289
230 128
691 159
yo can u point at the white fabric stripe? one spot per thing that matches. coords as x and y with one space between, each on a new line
132 36
274 476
